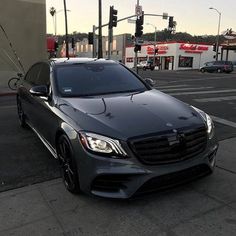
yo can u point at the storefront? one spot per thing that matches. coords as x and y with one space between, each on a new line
172 55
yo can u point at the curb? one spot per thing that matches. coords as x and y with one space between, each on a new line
7 94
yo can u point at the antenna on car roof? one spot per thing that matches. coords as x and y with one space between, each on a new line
13 50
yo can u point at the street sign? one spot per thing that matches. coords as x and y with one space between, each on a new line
131 21
138 10
165 16
138 41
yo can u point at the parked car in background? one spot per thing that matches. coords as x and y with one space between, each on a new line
113 134
217 66
146 65
234 64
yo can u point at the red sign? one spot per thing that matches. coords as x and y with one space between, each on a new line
193 47
162 49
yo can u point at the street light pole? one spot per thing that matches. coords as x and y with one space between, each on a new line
155 40
66 26
100 29
218 32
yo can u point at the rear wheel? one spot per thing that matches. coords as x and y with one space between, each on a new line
219 70
20 112
68 164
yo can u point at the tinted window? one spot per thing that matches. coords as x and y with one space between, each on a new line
94 79
33 73
44 75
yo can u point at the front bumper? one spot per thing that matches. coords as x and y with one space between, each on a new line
124 178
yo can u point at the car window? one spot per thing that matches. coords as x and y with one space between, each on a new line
32 74
94 79
44 75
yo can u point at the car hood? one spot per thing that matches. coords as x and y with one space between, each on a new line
129 115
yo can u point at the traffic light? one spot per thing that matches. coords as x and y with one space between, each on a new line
214 47
139 26
90 37
73 42
137 48
171 22
56 46
113 17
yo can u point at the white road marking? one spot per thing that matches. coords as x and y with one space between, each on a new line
171 86
223 121
182 89
217 99
205 92
7 107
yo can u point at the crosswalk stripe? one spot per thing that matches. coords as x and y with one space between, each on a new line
204 92
171 86
182 89
216 99
223 121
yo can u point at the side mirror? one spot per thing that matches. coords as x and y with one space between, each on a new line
40 90
150 82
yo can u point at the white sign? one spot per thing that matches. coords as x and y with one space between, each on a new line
165 16
229 34
131 21
138 10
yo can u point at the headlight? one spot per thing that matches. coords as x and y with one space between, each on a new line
102 144
208 120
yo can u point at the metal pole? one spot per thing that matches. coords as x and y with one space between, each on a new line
100 29
55 23
66 26
218 37
109 42
136 53
94 42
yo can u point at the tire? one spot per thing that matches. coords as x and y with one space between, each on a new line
12 83
219 70
20 112
202 70
144 68
68 165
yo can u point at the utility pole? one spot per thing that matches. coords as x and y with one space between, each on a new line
100 29
66 26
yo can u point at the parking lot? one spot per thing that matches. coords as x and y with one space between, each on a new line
43 207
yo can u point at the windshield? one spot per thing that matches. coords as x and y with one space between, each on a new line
96 79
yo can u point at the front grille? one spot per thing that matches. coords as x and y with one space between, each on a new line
170 147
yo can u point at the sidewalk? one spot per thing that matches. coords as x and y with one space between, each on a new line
205 207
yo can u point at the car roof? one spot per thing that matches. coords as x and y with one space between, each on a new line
78 60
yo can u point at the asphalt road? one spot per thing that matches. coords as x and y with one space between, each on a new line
24 160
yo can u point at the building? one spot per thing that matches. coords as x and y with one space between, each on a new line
118 46
24 22
172 55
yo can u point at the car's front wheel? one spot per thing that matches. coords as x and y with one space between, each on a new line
219 70
20 112
68 164
202 70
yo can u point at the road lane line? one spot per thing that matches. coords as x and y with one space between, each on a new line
216 99
171 86
205 92
7 107
223 121
182 89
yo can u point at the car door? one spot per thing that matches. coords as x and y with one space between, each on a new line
27 99
46 121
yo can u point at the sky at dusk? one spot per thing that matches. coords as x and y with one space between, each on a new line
192 16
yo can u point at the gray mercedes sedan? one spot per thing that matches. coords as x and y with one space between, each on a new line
113 134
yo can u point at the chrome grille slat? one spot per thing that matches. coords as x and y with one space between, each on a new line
167 148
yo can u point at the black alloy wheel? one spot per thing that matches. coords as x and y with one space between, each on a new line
68 165
20 112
